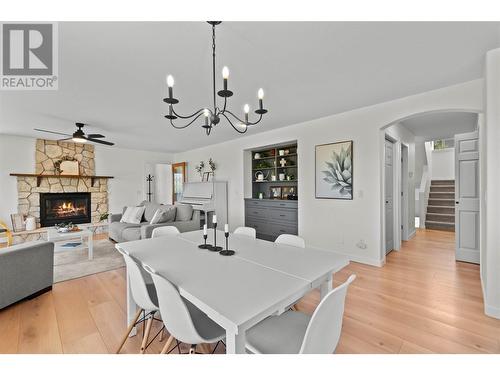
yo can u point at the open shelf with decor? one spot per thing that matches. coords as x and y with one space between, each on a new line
272 209
274 172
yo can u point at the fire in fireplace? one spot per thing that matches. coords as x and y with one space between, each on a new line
57 208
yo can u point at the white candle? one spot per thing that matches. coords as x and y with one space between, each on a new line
205 229
214 219
226 228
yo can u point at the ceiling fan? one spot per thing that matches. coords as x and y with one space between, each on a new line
79 136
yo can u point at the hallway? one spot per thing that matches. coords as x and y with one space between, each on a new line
421 301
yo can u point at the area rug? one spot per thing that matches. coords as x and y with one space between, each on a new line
74 263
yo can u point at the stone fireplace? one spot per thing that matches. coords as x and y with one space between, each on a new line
56 208
30 187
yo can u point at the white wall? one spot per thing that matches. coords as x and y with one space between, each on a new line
400 134
420 160
490 214
17 154
129 168
443 164
163 183
334 224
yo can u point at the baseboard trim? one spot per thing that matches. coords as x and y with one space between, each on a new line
492 311
365 260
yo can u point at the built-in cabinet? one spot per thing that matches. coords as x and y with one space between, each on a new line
270 218
272 209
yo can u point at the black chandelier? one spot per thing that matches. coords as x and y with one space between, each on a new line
213 116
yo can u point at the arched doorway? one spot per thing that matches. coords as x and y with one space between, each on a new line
396 210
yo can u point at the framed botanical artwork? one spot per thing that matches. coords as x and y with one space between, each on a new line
334 170
275 192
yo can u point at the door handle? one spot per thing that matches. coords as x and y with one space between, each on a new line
386 201
457 202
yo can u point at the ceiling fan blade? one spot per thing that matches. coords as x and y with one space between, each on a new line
95 136
99 141
49 131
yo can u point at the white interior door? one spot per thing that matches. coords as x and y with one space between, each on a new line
404 220
467 197
389 196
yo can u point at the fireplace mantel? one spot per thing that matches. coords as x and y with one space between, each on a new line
39 177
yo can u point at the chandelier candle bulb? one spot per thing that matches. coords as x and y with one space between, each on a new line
214 219
206 113
260 95
205 229
226 228
170 84
246 109
225 76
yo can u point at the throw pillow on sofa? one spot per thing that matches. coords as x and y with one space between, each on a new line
184 212
163 215
133 215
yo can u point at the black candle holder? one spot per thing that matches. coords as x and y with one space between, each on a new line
227 252
215 247
205 245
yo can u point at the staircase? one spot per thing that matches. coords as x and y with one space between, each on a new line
441 206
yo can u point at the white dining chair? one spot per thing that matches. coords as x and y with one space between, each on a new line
145 296
183 320
246 231
297 333
290 239
168 230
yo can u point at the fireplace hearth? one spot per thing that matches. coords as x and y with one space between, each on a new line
56 208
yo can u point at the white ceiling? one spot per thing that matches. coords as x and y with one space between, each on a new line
112 75
441 125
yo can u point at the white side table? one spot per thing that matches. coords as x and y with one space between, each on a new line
54 236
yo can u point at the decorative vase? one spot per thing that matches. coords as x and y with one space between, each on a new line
282 176
30 223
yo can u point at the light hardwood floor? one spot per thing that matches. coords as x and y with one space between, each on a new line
422 301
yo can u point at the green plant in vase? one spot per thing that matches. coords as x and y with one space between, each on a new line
262 164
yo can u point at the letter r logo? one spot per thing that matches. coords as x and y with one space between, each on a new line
27 49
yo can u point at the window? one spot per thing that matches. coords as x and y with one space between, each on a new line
441 144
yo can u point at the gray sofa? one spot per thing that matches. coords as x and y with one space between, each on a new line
186 219
26 270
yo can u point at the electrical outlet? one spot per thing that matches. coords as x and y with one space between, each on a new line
361 244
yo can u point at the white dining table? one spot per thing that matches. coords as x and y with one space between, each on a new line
262 278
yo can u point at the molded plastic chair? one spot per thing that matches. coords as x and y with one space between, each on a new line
290 239
183 320
169 230
296 333
246 231
144 295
